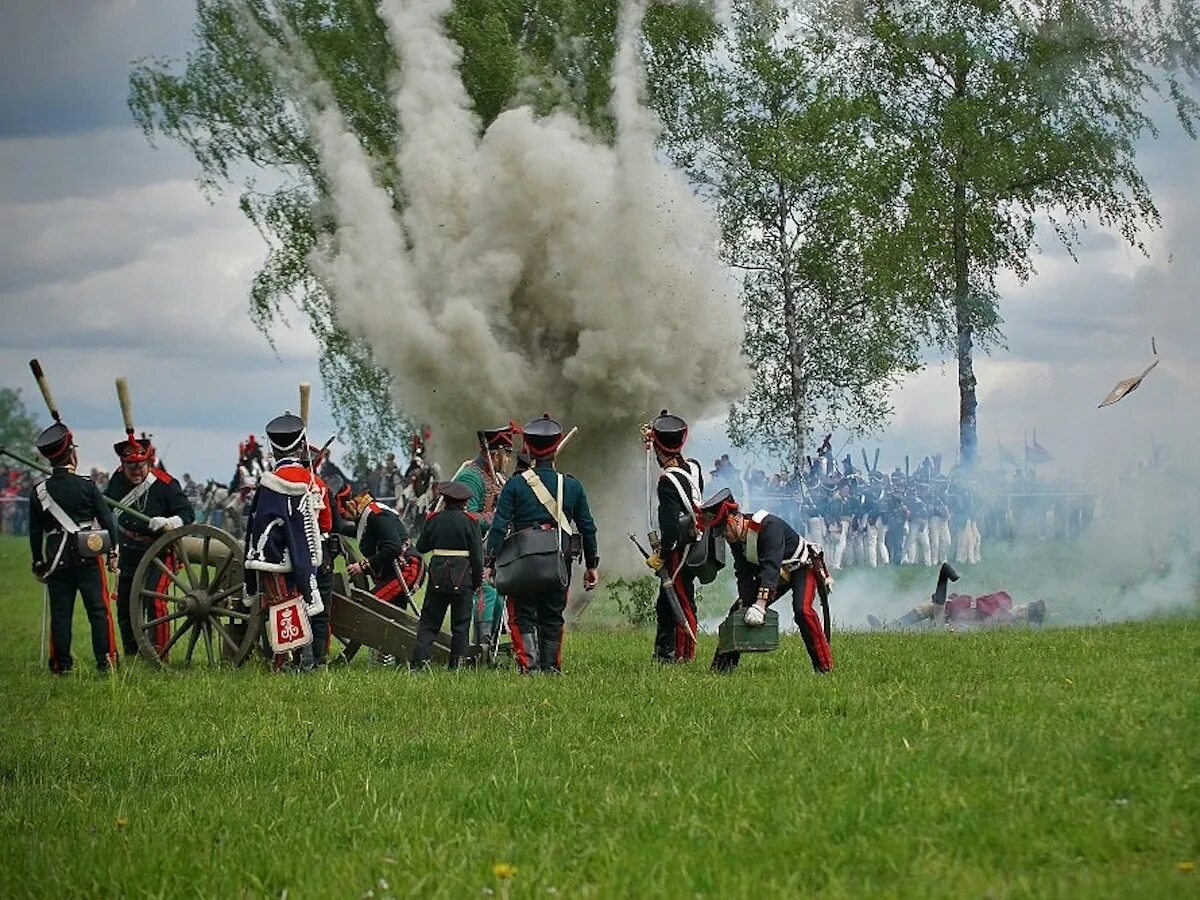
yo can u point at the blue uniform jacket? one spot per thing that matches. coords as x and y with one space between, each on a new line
276 539
518 508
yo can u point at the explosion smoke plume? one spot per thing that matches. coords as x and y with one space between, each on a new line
534 269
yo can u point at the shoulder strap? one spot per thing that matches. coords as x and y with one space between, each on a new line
752 535
553 506
689 502
50 505
138 491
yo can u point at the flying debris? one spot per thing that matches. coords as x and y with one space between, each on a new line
1129 385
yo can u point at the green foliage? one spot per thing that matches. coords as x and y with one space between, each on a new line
796 160
241 119
18 426
1007 115
635 598
938 765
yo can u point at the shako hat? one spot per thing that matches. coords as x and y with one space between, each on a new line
668 432
286 433
56 442
499 438
132 451
454 492
542 436
716 509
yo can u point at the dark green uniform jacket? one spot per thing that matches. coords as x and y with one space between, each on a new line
519 508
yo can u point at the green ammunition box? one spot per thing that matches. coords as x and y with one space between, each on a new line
735 634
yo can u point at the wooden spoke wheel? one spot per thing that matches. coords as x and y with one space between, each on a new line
186 601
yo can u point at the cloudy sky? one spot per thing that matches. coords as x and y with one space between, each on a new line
113 263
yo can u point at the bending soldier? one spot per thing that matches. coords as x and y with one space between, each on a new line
680 490
531 502
61 510
451 538
151 491
769 560
382 541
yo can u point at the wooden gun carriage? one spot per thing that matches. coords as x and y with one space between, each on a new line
188 607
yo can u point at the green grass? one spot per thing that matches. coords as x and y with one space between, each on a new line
1055 763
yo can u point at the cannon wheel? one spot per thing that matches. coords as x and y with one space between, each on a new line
187 592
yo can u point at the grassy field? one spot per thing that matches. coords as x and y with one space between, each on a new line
1063 762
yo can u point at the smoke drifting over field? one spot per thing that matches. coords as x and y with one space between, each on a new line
534 269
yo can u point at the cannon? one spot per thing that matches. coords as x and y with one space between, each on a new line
188 591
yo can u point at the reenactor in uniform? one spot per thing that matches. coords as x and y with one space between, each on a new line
680 490
484 477
152 492
382 541
59 508
536 620
329 524
963 610
769 560
916 543
451 538
284 534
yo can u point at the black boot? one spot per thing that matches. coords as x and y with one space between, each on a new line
548 652
530 644
945 575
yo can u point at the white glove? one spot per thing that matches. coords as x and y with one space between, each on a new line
165 523
754 617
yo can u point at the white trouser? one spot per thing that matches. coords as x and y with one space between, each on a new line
835 543
939 540
916 547
881 550
962 553
816 531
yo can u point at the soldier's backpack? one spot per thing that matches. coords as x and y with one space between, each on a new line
706 550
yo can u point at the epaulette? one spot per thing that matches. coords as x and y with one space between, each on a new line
161 476
474 517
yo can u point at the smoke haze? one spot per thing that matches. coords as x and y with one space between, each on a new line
534 270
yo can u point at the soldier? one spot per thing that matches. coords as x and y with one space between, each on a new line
451 538
484 477
963 610
283 532
680 490
939 521
837 520
154 493
60 507
530 501
769 560
382 541
916 543
329 524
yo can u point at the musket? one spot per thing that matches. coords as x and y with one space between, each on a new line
866 465
115 504
669 589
